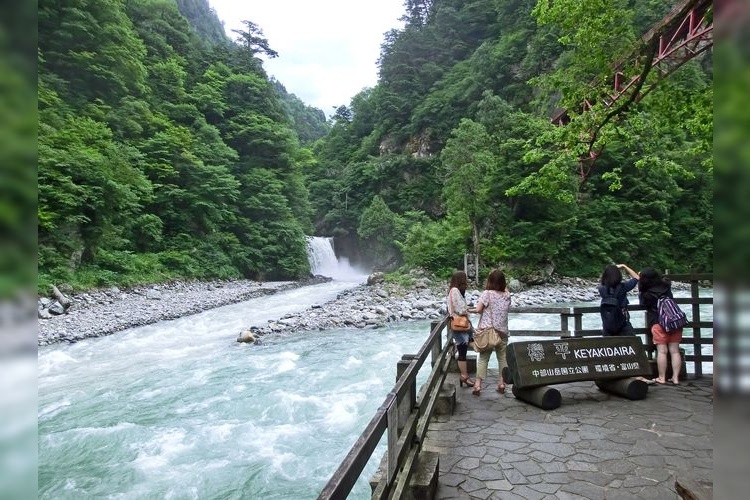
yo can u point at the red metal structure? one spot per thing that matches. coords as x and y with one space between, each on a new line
684 33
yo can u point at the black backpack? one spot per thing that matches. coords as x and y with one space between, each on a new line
613 318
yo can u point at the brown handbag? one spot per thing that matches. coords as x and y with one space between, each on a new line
457 323
460 324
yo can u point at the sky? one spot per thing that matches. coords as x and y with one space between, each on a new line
328 49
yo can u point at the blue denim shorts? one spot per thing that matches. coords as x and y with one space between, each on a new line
460 338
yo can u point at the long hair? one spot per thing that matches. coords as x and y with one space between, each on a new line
458 280
611 276
496 281
649 278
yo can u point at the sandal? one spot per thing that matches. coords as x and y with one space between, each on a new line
501 389
476 391
469 382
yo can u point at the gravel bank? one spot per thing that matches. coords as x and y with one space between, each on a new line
103 312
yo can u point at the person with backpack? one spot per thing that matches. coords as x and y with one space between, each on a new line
653 291
614 304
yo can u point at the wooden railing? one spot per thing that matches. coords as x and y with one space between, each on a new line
405 413
696 325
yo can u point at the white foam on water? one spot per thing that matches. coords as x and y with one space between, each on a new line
51 361
53 409
196 406
99 431
219 433
161 450
352 362
287 362
343 414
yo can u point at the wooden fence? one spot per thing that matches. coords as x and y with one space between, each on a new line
405 414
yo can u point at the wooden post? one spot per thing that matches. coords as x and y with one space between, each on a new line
631 388
544 397
697 347
578 322
404 404
437 346
409 400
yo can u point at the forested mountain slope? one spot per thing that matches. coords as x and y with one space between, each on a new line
164 149
453 149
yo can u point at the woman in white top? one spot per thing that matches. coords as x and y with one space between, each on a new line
457 307
493 304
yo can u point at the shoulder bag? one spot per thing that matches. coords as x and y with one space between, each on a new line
457 323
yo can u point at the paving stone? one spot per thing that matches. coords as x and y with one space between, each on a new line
514 476
632 481
620 467
620 494
580 466
451 479
468 463
528 468
501 485
554 467
471 485
543 487
526 492
595 446
598 478
564 495
556 449
584 489
487 473
556 478
538 438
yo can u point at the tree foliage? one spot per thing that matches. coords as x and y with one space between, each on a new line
457 128
164 149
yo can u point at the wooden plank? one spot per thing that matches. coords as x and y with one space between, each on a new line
546 362
392 462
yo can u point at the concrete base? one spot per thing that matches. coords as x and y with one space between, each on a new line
446 402
655 369
424 477
471 363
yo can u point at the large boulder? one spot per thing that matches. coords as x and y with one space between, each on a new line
375 278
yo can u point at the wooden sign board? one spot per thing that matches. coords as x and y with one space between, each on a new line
545 362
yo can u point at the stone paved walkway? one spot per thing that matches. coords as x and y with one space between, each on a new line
594 446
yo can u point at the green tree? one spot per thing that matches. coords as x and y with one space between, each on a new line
467 160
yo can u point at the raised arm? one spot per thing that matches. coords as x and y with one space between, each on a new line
632 273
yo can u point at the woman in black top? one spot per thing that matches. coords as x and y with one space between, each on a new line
651 287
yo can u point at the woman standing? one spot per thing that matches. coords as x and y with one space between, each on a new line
457 307
612 286
651 287
493 304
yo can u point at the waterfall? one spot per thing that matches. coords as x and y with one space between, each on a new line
323 261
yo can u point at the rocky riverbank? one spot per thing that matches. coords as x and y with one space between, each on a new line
377 303
103 312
